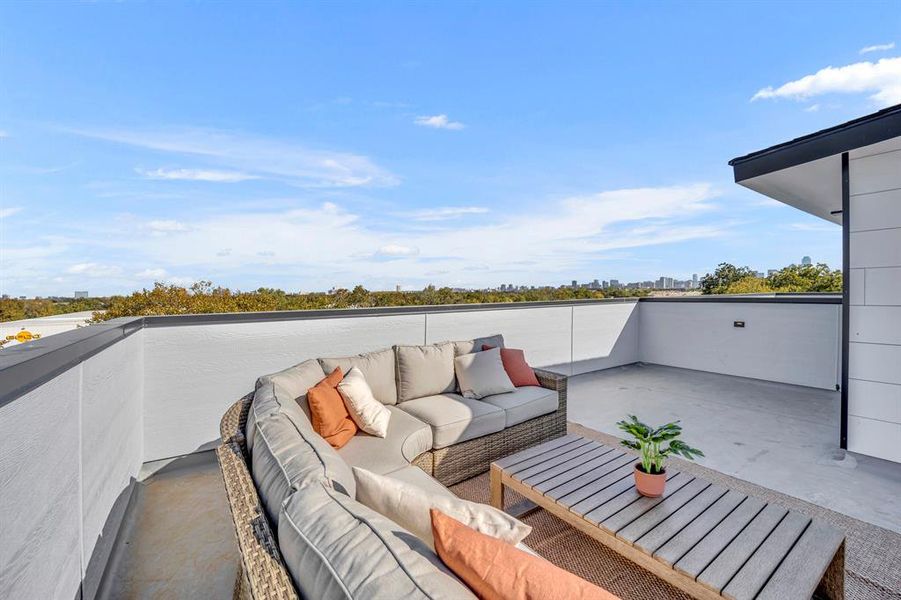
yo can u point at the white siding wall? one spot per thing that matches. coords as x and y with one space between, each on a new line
69 453
789 343
194 372
874 389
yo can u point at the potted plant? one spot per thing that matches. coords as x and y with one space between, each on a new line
650 474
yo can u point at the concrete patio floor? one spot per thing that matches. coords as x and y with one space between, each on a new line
783 437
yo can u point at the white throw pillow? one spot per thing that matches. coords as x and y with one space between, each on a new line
482 374
369 414
408 505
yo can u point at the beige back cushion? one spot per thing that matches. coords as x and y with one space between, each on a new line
470 346
425 370
377 368
294 382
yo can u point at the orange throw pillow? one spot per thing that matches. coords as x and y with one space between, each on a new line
328 412
518 370
496 570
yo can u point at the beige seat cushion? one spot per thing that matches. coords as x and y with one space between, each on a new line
406 439
455 419
336 548
424 370
470 346
418 477
377 367
525 403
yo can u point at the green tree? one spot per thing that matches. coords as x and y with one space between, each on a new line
725 275
806 278
749 285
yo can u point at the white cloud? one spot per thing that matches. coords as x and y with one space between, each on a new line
155 274
444 213
882 80
812 108
8 212
166 226
90 269
438 122
397 250
878 48
197 175
256 156
4 134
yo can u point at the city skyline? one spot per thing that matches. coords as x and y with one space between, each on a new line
411 158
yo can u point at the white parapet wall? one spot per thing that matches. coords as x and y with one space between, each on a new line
70 452
785 342
193 373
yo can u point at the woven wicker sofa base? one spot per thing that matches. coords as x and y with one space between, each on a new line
262 574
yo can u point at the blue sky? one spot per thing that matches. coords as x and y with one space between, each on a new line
306 146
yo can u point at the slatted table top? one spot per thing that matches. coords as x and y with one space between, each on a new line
712 539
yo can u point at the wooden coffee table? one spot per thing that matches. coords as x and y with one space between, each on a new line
708 540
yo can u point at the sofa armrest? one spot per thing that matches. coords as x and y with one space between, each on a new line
551 380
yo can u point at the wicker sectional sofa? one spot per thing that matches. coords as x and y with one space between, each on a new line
283 481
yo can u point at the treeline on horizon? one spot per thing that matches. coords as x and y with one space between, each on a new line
204 297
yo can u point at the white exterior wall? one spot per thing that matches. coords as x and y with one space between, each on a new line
788 343
69 452
874 386
195 372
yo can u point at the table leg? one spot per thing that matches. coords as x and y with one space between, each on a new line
496 488
833 584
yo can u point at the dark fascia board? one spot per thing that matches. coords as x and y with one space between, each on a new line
871 129
27 366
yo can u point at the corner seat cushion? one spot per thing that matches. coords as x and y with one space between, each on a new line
525 403
455 419
377 367
407 438
336 548
288 455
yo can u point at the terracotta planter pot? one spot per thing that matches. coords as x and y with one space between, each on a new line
650 485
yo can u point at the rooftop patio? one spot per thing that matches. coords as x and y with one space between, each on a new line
118 420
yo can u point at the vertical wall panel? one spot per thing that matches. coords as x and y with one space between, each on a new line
40 518
112 448
875 314
604 336
789 343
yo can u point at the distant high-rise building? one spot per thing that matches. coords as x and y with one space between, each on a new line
614 283
806 261
397 288
694 280
81 294
575 283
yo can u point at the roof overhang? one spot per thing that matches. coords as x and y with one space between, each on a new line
806 172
